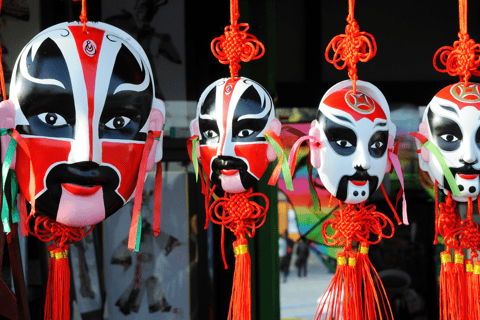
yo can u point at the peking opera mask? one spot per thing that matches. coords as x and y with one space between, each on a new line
451 123
232 118
84 104
355 131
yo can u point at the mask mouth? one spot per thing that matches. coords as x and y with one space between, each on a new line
80 190
83 179
469 175
226 165
359 178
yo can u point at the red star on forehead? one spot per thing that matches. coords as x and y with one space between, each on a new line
359 105
462 96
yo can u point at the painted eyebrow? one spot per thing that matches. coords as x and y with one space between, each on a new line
256 115
448 108
341 118
26 74
206 117
380 124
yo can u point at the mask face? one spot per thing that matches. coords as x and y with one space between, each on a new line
453 126
354 130
232 118
83 103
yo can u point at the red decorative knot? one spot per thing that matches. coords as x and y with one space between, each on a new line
463 59
466 235
448 219
239 214
46 229
356 224
236 45
351 47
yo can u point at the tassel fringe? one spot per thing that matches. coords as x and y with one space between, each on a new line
240 302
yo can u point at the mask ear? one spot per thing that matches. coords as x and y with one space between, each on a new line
276 127
314 149
195 131
424 157
7 121
157 120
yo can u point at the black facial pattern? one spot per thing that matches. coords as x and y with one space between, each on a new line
244 130
126 112
86 174
343 140
49 109
446 132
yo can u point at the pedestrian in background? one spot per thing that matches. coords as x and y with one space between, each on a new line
287 257
303 251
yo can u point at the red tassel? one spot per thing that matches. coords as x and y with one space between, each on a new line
375 299
474 307
240 302
57 301
351 297
448 289
461 303
472 297
340 300
48 297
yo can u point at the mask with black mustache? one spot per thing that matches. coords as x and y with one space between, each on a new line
224 166
98 182
357 187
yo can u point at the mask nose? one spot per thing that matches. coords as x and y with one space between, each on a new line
362 158
470 154
227 147
82 149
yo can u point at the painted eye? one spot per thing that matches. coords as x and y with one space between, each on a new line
245 133
449 137
344 143
210 134
377 145
117 122
52 119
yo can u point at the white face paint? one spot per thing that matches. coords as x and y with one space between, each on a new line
354 131
232 118
453 126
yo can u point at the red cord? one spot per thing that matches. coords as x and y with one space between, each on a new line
46 229
238 214
236 45
351 47
356 224
463 59
83 15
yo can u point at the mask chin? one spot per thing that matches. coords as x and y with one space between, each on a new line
232 183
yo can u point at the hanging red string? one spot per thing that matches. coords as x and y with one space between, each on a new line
242 216
236 45
57 300
83 14
463 59
355 223
351 47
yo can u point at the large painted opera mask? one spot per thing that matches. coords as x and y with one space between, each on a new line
451 122
232 118
84 103
355 131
